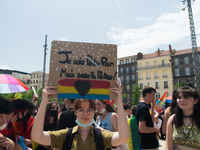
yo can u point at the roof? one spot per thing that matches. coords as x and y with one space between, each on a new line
152 55
185 51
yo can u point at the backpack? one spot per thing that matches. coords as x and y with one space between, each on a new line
97 137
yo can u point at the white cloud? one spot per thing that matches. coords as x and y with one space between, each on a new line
4 67
167 29
74 36
143 19
63 39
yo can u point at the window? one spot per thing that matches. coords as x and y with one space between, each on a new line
132 60
36 81
156 75
140 66
121 62
127 70
121 70
177 71
186 60
176 61
140 76
165 84
128 87
141 85
148 76
147 65
189 80
157 85
133 69
122 78
187 70
133 86
34 76
148 83
33 81
155 64
157 95
165 74
127 61
127 79
178 81
133 77
128 97
163 63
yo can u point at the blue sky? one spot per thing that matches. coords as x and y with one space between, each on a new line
135 26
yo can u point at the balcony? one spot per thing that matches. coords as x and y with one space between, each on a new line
148 78
156 77
183 74
165 76
154 67
140 78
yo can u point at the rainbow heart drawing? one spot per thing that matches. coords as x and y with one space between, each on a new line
83 89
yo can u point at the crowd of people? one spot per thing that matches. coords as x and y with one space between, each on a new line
84 124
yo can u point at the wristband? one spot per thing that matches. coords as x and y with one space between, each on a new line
36 99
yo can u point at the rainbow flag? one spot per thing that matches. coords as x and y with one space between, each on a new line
159 103
83 89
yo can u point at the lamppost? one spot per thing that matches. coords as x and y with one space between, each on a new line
195 55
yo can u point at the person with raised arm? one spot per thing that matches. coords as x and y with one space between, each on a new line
84 132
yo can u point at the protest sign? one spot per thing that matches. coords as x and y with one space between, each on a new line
83 70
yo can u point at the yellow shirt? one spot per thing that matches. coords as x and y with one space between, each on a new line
58 138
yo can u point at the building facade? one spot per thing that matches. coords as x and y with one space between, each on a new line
127 71
155 70
36 79
182 66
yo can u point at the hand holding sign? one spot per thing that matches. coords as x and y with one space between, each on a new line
83 70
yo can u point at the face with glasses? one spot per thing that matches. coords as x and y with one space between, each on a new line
85 113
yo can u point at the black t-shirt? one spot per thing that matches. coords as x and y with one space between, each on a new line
147 140
67 119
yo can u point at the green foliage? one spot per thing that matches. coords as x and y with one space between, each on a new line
8 96
136 94
18 95
179 85
123 95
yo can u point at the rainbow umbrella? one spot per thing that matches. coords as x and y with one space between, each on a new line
9 84
169 99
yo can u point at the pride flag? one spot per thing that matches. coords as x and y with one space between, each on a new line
83 89
159 103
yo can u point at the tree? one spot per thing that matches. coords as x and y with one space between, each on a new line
136 94
18 95
123 95
179 85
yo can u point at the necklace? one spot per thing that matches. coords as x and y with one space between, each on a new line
185 130
188 118
104 115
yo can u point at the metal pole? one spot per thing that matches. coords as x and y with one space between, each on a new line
44 64
194 46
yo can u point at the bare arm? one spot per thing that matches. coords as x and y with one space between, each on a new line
37 134
165 118
122 135
144 129
114 121
169 145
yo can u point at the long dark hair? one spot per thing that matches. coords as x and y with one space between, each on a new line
48 115
173 104
109 108
187 91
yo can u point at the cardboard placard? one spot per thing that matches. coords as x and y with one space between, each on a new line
83 70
